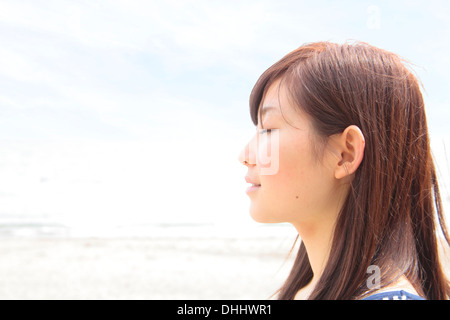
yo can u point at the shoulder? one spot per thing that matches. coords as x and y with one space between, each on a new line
394 295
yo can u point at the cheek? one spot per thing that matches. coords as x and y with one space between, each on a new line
301 187
268 153
294 166
278 199
284 193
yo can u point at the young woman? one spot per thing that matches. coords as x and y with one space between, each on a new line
342 153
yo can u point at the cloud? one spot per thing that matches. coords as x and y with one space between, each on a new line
176 76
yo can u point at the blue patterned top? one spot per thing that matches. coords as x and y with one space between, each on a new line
394 295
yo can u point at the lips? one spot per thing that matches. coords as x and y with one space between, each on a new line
253 181
255 185
253 188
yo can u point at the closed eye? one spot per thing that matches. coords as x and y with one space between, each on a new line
262 131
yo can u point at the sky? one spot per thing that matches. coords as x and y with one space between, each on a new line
135 111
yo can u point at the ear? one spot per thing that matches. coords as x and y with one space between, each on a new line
350 145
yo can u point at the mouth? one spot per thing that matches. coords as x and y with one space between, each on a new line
253 187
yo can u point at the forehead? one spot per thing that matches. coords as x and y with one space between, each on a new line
275 101
278 104
270 103
272 93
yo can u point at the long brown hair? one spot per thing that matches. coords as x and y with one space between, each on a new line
390 215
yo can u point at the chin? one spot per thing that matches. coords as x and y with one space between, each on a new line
262 216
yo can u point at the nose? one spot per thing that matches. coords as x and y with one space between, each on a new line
248 154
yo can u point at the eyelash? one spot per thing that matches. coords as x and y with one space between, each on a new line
262 131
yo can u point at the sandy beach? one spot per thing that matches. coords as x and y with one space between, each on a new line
142 268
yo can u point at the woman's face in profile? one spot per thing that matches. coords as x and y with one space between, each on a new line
294 186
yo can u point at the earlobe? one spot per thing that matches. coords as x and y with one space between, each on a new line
351 144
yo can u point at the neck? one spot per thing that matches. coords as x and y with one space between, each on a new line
316 231
317 236
317 240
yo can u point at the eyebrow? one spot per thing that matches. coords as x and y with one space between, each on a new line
265 110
